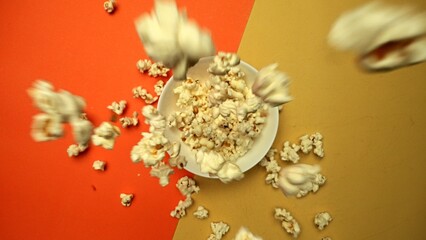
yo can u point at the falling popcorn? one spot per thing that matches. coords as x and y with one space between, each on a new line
169 37
384 36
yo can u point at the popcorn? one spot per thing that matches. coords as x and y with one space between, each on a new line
229 172
245 234
99 165
326 238
162 171
158 69
187 186
151 149
156 121
127 121
305 144
168 36
384 36
82 130
322 219
118 107
317 142
143 65
126 199
201 213
300 179
180 209
288 222
271 86
272 167
158 87
105 135
140 92
75 149
219 229
57 108
219 120
210 162
289 153
223 62
109 6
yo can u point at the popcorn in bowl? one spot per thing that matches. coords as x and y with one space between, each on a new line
223 126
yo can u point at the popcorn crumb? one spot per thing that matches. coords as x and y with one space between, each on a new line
201 213
129 121
322 219
187 186
99 165
126 199
76 149
245 234
162 171
326 238
143 65
140 92
306 144
105 135
109 6
180 209
289 153
288 222
272 167
317 143
219 229
158 69
118 107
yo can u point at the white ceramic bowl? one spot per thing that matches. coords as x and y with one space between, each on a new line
261 145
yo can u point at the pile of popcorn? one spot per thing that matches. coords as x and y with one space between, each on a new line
219 118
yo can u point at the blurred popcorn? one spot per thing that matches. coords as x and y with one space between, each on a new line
162 172
169 37
245 234
384 36
271 86
300 179
57 107
105 135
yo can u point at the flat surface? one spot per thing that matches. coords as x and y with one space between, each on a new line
373 127
79 47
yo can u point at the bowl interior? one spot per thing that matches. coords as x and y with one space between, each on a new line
261 145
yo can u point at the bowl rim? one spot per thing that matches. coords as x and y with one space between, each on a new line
273 116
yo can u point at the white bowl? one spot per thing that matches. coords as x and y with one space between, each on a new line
262 143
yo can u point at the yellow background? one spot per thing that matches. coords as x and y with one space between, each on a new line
373 128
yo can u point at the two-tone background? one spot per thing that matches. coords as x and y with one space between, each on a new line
373 126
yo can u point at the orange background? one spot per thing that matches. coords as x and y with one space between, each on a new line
78 47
